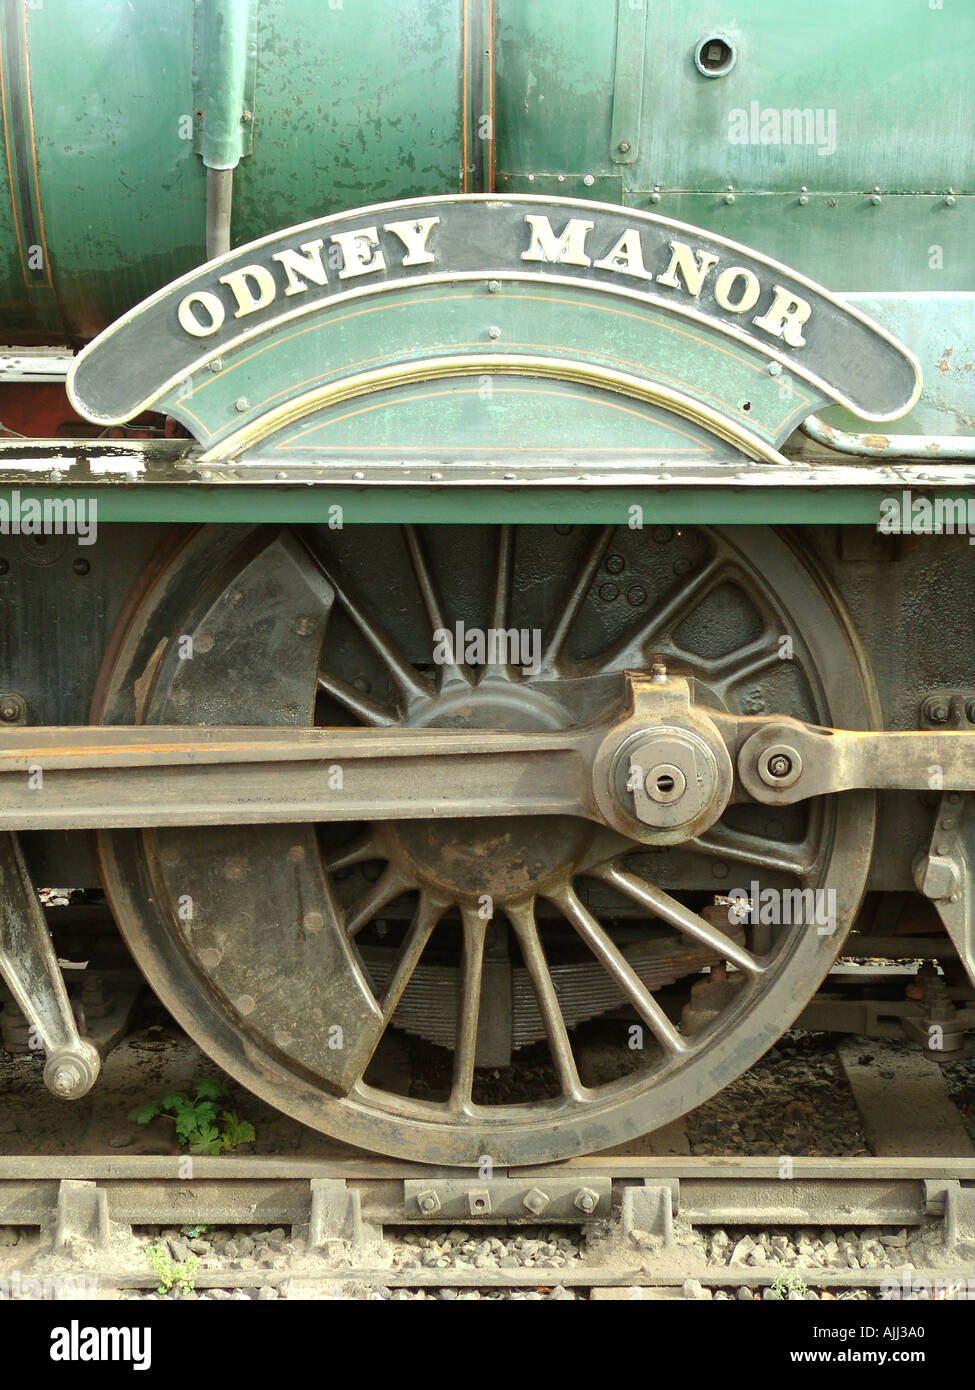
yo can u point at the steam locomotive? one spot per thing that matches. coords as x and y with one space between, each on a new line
485 587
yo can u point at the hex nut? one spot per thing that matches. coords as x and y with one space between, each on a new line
428 1202
535 1200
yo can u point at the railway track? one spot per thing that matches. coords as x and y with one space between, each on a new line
334 1222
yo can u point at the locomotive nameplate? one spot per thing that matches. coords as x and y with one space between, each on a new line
641 256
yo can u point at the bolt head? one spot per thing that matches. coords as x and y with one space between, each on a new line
12 708
586 1200
936 711
536 1201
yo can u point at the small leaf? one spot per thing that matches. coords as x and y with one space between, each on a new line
174 1100
206 1141
245 1132
186 1122
205 1112
208 1090
143 1114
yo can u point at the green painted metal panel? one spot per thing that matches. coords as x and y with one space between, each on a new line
356 103
122 194
800 506
883 79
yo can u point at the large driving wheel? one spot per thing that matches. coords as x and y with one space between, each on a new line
297 954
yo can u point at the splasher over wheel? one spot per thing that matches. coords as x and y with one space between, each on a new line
300 956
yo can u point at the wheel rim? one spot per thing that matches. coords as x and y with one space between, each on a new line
260 991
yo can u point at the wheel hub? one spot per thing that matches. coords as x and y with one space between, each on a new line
502 857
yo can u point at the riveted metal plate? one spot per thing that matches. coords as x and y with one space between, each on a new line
494 1200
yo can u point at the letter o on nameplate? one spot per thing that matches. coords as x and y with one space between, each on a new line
200 314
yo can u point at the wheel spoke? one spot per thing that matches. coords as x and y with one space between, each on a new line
370 711
428 913
433 603
665 618
501 670
796 860
387 887
502 578
744 663
522 919
689 923
468 1009
573 604
357 851
411 686
620 970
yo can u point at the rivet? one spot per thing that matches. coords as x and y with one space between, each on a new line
949 201
729 198
589 180
280 477
624 147
494 332
875 199
55 475
206 475
216 365
775 369
241 403
655 197
493 286
81 566
358 473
